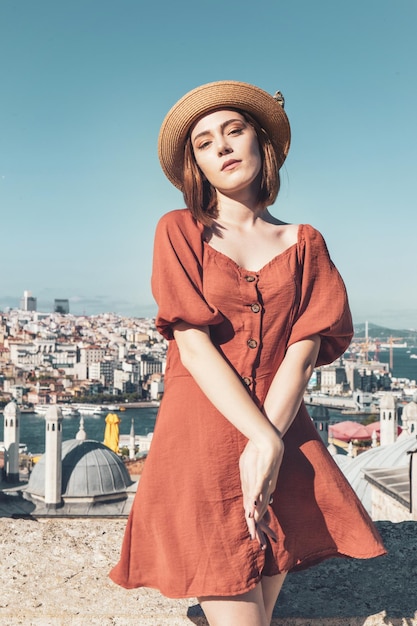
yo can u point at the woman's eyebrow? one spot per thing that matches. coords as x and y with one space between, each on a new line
222 127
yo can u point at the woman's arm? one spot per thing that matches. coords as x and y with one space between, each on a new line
221 384
261 460
289 383
227 393
281 405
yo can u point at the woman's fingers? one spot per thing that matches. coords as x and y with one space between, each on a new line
262 532
260 535
262 502
250 520
267 530
258 479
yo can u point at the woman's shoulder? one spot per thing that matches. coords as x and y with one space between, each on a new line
300 234
309 234
311 242
179 217
180 228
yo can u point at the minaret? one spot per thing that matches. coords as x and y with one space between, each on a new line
389 419
409 420
11 441
132 440
53 457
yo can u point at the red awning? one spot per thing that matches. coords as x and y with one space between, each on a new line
346 431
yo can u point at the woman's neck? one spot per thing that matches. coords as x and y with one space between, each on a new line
237 212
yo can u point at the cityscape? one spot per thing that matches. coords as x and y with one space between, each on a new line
59 358
57 364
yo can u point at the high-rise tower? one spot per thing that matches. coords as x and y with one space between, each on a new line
28 302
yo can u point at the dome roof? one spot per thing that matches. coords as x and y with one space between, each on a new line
320 413
392 455
89 469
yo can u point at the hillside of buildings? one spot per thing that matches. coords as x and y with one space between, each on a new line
48 358
59 358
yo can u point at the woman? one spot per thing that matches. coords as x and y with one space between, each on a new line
238 488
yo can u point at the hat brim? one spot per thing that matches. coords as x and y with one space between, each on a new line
222 94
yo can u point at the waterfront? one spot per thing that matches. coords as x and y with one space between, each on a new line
32 426
403 366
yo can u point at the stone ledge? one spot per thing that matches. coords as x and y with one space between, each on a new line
54 572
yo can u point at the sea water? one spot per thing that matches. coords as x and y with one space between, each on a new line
32 426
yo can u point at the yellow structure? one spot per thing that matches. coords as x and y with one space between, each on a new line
111 433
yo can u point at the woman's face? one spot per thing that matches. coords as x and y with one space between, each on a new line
226 149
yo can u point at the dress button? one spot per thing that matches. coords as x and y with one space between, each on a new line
255 307
250 279
247 380
252 343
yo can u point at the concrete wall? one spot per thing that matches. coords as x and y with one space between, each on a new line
54 573
385 507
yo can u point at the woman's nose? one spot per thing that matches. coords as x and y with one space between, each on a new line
223 147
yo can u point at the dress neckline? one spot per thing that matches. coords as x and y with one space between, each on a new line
264 267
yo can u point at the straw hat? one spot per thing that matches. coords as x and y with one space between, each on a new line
266 109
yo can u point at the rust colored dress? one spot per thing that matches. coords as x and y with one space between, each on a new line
186 534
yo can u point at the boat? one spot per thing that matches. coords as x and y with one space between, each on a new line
66 409
413 356
23 449
90 409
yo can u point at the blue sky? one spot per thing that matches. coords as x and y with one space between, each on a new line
85 85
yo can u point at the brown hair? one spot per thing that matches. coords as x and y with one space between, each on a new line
200 195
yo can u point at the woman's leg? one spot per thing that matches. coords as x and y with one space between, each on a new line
253 608
244 610
271 586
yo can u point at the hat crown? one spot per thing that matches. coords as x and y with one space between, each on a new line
268 110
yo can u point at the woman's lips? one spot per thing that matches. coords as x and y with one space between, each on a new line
229 165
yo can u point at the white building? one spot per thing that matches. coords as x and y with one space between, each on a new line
28 302
91 354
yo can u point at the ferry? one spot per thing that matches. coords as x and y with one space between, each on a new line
90 409
67 410
23 449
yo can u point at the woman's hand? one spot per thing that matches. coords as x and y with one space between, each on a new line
258 475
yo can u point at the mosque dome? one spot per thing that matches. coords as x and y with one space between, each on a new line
89 470
320 413
388 456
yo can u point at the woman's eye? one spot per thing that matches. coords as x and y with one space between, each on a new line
204 145
235 131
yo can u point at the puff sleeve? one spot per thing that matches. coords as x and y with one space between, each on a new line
177 274
323 306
